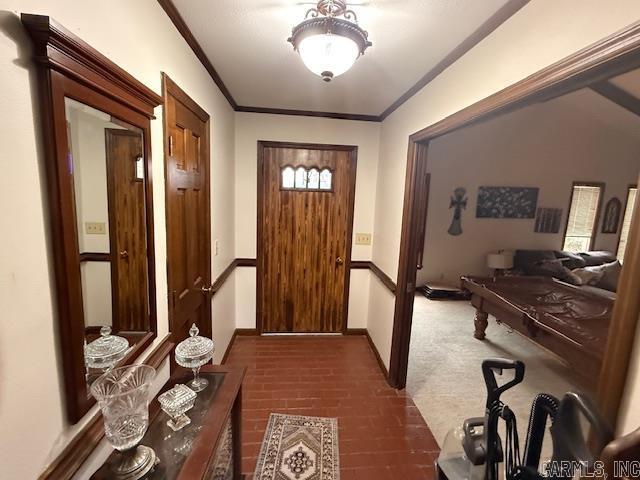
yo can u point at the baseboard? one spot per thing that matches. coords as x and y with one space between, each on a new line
365 332
246 332
238 332
378 357
355 331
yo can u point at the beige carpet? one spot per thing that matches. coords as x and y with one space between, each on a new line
445 378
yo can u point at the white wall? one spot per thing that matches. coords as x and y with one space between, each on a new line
546 145
540 34
88 152
251 127
146 43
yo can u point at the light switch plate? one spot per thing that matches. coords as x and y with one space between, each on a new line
95 228
363 239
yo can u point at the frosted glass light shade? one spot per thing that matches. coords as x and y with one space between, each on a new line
328 55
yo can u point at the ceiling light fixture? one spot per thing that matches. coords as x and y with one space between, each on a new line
328 45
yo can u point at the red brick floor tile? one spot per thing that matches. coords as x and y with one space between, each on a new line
381 436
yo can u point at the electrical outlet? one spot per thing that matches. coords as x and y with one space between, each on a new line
95 228
216 247
363 239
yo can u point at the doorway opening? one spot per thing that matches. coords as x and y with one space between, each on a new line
594 67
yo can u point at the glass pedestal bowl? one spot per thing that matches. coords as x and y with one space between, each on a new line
107 350
193 353
123 396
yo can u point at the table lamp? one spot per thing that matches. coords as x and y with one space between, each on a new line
499 262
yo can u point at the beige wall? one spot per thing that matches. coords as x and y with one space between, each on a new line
31 400
540 34
578 137
251 127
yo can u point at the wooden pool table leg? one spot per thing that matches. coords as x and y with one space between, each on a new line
481 324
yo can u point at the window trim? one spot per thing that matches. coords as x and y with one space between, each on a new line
596 223
624 211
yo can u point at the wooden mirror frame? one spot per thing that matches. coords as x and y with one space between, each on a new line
68 67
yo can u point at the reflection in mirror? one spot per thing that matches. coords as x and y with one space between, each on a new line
108 175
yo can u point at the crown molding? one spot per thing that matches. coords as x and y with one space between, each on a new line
497 19
502 15
311 113
175 17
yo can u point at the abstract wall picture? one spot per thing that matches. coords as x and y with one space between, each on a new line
507 202
548 220
458 202
612 216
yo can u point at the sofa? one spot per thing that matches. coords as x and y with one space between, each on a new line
596 272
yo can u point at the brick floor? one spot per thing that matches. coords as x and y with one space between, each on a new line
381 433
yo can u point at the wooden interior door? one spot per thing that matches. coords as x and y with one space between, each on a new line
127 230
188 212
304 237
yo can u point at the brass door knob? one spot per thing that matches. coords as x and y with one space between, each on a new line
206 290
124 254
339 261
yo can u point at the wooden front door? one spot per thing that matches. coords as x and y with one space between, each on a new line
305 216
128 230
188 212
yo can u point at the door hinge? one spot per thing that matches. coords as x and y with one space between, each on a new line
411 287
171 145
172 299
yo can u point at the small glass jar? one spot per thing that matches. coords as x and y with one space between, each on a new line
193 353
175 403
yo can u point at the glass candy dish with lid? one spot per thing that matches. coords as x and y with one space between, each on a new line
175 403
193 353
107 350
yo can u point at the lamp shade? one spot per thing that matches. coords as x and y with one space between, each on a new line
500 260
328 55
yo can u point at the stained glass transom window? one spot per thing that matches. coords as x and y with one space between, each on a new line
302 179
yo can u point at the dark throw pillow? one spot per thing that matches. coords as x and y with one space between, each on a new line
529 261
598 257
555 269
570 260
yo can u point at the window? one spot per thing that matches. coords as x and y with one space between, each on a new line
300 178
626 221
582 218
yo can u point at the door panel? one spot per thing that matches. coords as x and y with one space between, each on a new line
188 213
305 240
128 231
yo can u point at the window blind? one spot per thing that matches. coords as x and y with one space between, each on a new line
582 218
626 222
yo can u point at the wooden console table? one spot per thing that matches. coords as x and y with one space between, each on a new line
209 447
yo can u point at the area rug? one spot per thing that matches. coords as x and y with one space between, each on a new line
299 448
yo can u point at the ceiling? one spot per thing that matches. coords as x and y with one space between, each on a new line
245 41
608 114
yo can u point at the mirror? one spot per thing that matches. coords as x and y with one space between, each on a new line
96 122
106 156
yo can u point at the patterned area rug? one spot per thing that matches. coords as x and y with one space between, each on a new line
299 448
